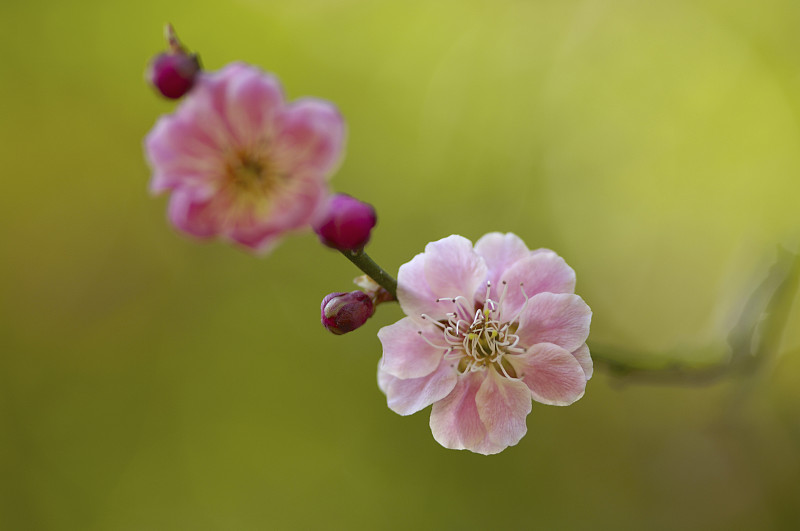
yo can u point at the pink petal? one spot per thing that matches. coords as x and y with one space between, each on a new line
260 241
409 396
553 374
559 318
585 359
289 211
500 251
453 268
310 137
253 100
455 421
300 203
405 353
193 216
181 154
540 272
503 405
415 295
205 105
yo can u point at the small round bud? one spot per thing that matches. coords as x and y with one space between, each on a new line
173 74
347 224
344 312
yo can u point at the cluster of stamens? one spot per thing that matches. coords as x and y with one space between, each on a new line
251 173
479 340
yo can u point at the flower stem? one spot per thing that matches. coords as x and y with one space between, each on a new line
373 270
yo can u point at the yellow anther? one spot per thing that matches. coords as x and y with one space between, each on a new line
472 336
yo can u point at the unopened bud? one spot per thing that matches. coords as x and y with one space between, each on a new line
344 312
347 223
174 72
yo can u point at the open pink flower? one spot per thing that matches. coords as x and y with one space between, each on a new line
241 163
487 329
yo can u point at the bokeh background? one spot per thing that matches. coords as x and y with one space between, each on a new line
149 382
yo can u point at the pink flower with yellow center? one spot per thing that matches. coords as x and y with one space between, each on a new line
241 163
487 329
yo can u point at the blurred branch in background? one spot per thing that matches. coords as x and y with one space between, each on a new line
754 340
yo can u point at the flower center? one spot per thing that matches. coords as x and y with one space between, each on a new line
252 173
480 340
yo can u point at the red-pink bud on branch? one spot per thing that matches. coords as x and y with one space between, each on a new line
344 312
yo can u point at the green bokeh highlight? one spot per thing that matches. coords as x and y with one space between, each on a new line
151 382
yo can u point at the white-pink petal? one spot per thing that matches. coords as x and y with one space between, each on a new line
406 353
560 318
205 108
453 268
261 232
260 240
181 154
500 251
309 137
503 405
542 271
585 359
411 395
193 216
253 100
455 421
553 374
415 295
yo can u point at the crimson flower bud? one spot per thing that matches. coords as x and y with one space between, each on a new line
173 73
347 223
344 312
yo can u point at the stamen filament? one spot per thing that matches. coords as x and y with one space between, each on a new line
426 340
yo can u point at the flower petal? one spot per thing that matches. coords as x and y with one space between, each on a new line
289 211
542 271
455 421
181 155
585 359
409 396
500 251
406 354
453 268
310 137
553 374
415 295
559 318
205 108
253 101
261 241
503 405
192 216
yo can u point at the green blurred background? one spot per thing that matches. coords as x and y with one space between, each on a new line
148 382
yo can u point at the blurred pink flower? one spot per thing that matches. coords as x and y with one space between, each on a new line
487 329
241 163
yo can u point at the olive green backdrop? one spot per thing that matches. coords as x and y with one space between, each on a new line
148 382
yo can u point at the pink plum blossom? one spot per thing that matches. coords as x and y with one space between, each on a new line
243 164
487 329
